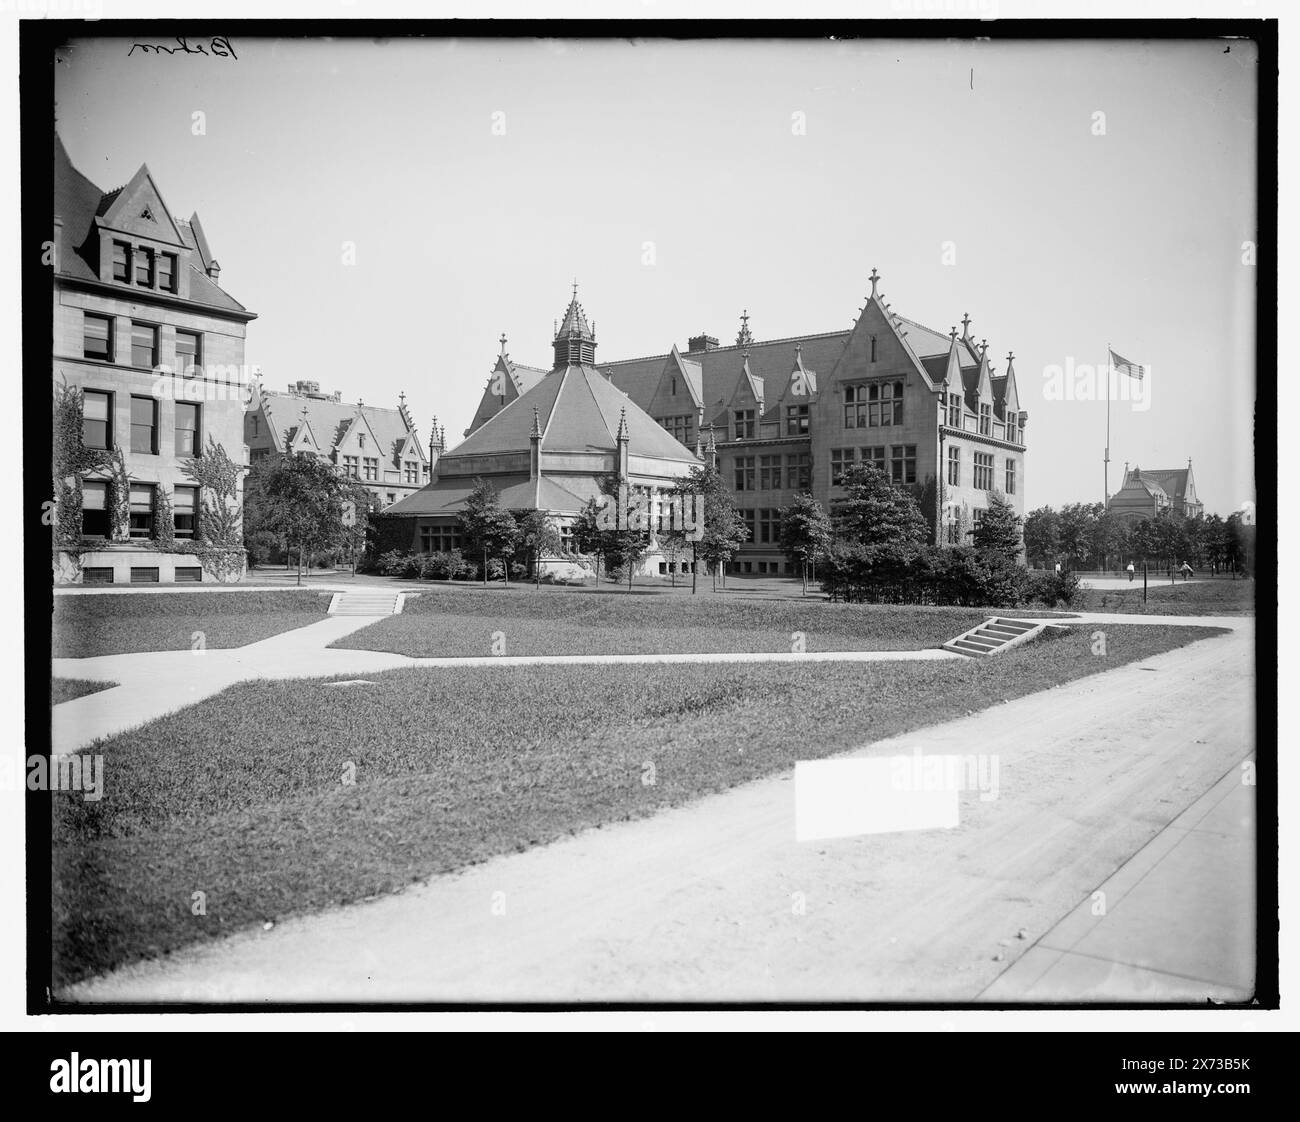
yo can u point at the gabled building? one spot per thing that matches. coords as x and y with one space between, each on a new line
1148 493
376 446
787 415
144 329
549 447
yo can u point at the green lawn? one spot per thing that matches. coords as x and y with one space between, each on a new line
1220 596
242 796
88 625
465 622
67 689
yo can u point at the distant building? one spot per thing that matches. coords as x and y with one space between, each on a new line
377 447
143 328
789 415
1147 493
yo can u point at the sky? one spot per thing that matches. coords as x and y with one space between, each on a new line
1068 196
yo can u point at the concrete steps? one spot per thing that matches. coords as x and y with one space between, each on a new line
369 602
996 634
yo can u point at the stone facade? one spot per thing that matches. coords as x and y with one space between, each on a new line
142 327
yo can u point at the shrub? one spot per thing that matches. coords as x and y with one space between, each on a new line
901 573
1051 589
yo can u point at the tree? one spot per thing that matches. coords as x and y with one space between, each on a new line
539 535
489 529
999 532
724 529
874 511
588 537
1075 532
806 533
1042 536
300 498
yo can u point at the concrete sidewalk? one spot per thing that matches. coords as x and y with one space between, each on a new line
1176 922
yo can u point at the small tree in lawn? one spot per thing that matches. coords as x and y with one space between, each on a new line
1000 531
490 530
806 533
873 511
588 537
539 535
724 529
1042 536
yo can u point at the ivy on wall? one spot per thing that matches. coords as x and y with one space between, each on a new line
220 542
71 460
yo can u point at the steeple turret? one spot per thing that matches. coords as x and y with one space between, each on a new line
575 340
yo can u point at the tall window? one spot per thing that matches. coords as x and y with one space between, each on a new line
144 425
144 345
370 467
122 262
352 467
744 473
796 420
798 471
189 353
873 456
97 419
1013 427
903 463
744 419
167 272
747 517
97 337
841 459
141 510
986 419
188 440
769 473
143 267
769 524
876 405
412 471
984 471
954 410
954 466
94 509
977 517
185 509
1011 476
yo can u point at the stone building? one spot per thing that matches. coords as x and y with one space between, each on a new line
788 415
378 447
1148 493
545 441
144 329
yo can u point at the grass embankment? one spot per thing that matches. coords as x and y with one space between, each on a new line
242 796
89 625
1220 596
455 622
68 689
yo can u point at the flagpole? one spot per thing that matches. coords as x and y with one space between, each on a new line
1105 462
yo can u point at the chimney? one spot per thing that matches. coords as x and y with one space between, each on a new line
701 343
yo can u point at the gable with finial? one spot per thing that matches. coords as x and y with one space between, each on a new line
801 386
680 389
748 390
877 345
358 438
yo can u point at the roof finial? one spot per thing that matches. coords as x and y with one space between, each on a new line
875 277
622 424
744 338
537 423
965 325
984 346
401 398
575 288
953 334
502 341
1010 356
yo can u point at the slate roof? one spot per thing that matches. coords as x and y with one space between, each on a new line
514 492
77 201
579 411
1171 481
329 420
720 368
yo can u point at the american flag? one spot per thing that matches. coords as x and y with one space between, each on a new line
1132 369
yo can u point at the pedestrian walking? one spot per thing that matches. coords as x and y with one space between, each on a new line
1131 571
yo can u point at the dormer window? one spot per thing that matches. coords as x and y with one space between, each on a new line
167 272
954 410
986 419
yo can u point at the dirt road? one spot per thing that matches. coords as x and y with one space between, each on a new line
716 901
